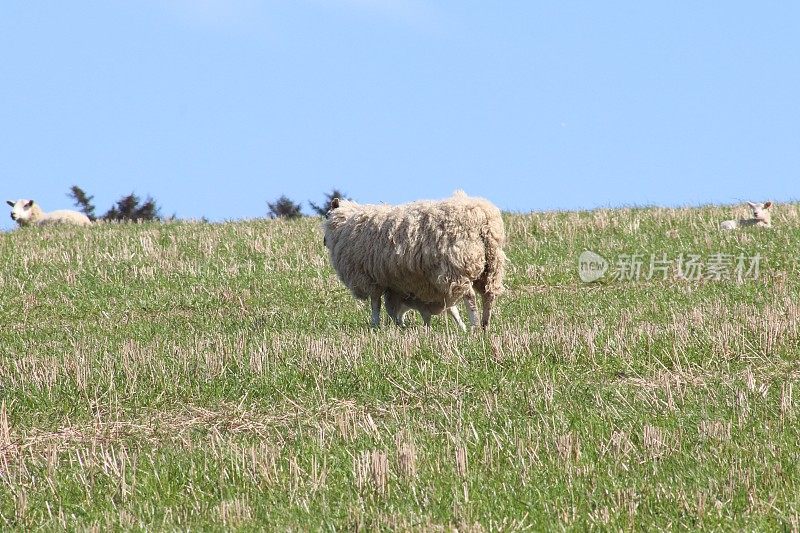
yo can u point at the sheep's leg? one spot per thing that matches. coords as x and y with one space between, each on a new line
453 312
375 303
488 300
472 308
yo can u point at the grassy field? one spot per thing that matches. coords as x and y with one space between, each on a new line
218 376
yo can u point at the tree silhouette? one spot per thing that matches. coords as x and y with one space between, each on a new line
283 207
322 210
82 201
130 207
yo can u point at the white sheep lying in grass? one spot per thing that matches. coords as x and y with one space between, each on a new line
28 212
430 253
762 217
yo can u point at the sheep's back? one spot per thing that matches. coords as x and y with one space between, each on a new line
438 248
64 216
432 250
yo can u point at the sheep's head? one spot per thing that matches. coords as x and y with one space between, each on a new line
333 205
761 212
340 211
22 211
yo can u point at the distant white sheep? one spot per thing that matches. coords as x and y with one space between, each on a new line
28 212
762 217
430 253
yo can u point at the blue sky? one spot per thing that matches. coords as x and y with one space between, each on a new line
215 107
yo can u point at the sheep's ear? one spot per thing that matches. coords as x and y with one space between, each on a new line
767 205
751 204
334 203
29 203
9 202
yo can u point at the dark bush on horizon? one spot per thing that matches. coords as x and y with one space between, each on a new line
82 201
283 207
131 208
127 208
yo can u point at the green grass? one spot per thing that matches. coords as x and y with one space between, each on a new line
216 377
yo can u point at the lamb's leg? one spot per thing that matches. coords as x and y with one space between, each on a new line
472 308
453 311
400 319
394 307
375 303
426 317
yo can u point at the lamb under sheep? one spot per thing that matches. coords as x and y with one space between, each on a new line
762 217
28 212
430 253
397 305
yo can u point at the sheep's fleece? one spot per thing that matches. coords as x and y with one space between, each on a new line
434 250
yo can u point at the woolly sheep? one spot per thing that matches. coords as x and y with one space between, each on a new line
27 212
435 251
397 305
762 217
